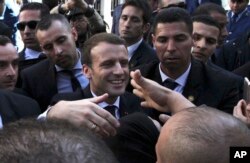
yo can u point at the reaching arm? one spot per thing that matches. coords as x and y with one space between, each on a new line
157 96
86 113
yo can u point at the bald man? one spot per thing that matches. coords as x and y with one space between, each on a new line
208 137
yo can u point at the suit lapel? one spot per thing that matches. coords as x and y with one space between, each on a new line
124 109
193 87
86 92
136 56
49 77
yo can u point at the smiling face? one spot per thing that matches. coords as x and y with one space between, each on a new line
58 42
108 72
173 43
8 66
205 39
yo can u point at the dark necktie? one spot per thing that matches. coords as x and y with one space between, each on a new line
74 82
234 18
111 109
171 84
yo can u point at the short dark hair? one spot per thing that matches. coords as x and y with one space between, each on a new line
172 15
95 40
5 30
206 19
36 6
50 3
208 8
141 4
239 1
51 141
4 40
47 21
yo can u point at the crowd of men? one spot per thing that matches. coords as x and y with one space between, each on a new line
128 96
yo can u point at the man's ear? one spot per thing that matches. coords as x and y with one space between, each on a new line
146 27
74 33
87 71
153 39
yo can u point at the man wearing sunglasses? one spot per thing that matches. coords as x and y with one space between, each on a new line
30 15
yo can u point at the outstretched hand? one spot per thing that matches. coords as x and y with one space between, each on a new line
86 113
157 96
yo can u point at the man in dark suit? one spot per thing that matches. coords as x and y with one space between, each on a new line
235 54
133 23
30 15
198 82
106 65
61 72
239 19
14 107
8 64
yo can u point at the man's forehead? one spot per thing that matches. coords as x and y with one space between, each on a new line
176 28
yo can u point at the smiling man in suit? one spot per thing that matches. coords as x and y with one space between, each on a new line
172 38
106 66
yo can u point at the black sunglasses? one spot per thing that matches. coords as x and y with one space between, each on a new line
31 24
180 5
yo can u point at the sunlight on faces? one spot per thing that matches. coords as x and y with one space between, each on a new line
109 69
173 43
205 39
58 42
8 66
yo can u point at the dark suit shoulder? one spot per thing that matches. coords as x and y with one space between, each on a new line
212 86
37 67
143 54
149 69
243 71
14 106
78 95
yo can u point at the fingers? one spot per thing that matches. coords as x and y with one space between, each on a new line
137 79
239 109
138 93
105 121
163 118
98 99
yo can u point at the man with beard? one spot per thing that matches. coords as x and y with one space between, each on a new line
61 72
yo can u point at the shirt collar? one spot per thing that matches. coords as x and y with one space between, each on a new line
104 104
132 48
31 54
181 80
239 14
